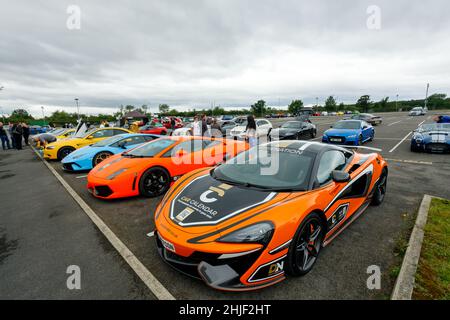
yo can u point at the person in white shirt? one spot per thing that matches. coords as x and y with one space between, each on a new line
196 127
250 131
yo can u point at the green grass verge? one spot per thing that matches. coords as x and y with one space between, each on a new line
433 272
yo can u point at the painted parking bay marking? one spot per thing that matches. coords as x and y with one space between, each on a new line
406 137
81 177
138 267
410 161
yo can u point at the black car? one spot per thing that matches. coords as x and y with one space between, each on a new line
226 126
294 130
367 117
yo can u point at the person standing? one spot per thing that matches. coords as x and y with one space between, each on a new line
204 126
172 123
250 131
26 132
196 127
11 128
216 129
442 119
17 134
4 137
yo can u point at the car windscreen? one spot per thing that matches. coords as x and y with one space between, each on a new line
150 149
108 141
435 127
268 168
87 133
347 125
292 125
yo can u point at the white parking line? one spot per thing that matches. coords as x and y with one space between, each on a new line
146 276
81 177
406 137
390 124
409 161
409 133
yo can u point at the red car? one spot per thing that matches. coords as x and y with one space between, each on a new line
153 128
167 123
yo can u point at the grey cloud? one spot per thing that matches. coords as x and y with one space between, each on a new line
190 53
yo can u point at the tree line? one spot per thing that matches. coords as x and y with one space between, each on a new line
438 101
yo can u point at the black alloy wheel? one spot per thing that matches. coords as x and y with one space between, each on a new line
99 157
306 245
154 182
380 189
64 152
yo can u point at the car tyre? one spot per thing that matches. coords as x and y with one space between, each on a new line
360 141
380 189
99 157
154 182
64 152
305 246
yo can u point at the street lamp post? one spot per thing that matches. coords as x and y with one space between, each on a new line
426 96
78 109
43 116
396 103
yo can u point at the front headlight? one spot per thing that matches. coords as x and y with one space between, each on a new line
256 233
115 174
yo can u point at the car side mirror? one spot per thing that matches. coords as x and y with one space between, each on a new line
340 176
122 144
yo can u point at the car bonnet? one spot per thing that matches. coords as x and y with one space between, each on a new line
208 203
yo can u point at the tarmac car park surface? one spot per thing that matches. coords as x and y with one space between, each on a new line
341 271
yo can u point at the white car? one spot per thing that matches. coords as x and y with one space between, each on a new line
263 127
417 111
185 131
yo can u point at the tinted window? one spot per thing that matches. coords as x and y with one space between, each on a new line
117 131
152 148
292 124
104 133
291 168
188 147
347 125
331 160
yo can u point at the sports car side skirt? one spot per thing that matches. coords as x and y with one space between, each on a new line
332 234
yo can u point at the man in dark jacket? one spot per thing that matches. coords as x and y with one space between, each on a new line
4 137
26 132
17 135
204 126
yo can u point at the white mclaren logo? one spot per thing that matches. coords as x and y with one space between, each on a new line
220 191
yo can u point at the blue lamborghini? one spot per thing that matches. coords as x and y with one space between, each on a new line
349 132
88 157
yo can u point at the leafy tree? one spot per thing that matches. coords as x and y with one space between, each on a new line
259 108
330 104
164 108
217 111
436 101
341 107
129 108
20 115
295 106
363 103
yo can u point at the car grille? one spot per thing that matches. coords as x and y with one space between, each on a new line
103 191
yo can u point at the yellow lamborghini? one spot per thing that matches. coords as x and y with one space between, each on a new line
61 148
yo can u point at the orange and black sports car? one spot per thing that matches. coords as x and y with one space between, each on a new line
246 223
151 168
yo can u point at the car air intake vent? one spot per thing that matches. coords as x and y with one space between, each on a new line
354 167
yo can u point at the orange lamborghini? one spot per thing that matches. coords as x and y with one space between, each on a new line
151 168
245 224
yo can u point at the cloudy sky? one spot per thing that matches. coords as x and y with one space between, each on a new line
191 53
